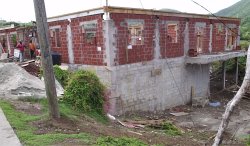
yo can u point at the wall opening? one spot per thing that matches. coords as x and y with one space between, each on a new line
135 36
89 30
3 41
172 31
231 38
199 39
55 34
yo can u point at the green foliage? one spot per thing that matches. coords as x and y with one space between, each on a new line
62 76
85 92
244 44
171 129
21 122
248 141
230 65
110 141
241 10
14 39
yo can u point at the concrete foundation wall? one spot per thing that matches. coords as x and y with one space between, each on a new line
151 86
156 85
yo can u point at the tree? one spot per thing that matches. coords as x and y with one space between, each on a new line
231 104
49 78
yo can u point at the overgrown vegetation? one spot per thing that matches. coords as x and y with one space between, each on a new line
171 129
240 10
85 92
230 66
21 122
248 141
62 76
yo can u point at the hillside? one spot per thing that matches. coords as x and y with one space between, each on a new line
241 10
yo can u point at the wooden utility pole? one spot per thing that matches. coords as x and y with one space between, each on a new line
47 66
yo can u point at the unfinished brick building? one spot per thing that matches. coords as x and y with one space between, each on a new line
11 34
150 60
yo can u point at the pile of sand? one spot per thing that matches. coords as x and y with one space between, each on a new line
16 82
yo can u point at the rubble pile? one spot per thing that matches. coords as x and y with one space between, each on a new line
32 69
16 82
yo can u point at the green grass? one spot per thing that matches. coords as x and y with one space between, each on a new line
170 129
123 141
110 141
21 122
25 132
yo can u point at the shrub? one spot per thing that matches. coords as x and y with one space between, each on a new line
62 76
85 92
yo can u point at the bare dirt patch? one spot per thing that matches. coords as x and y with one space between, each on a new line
27 107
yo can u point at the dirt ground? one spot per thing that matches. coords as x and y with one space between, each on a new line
198 127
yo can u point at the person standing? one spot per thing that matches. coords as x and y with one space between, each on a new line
21 47
32 48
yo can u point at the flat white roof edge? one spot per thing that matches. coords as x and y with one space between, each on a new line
75 15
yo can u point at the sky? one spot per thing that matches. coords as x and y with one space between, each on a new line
23 10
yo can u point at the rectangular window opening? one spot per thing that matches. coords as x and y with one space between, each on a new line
57 37
231 38
199 39
89 30
135 33
172 31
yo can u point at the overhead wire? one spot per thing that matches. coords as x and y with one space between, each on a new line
215 17
141 4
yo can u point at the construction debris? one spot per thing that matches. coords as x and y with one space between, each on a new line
15 82
31 68
179 114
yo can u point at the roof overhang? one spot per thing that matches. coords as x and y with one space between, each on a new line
206 59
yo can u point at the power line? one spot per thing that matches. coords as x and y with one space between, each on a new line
215 17
141 4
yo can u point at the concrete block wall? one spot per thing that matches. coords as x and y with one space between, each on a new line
156 85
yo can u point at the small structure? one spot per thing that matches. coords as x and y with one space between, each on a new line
10 35
149 60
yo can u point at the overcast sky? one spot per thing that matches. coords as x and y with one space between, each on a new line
23 10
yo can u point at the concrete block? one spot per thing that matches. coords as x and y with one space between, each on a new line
199 101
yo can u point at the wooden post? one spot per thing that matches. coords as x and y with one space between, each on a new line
224 74
236 71
47 66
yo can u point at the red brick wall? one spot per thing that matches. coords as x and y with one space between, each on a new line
9 31
193 34
63 50
138 53
170 49
85 52
218 43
